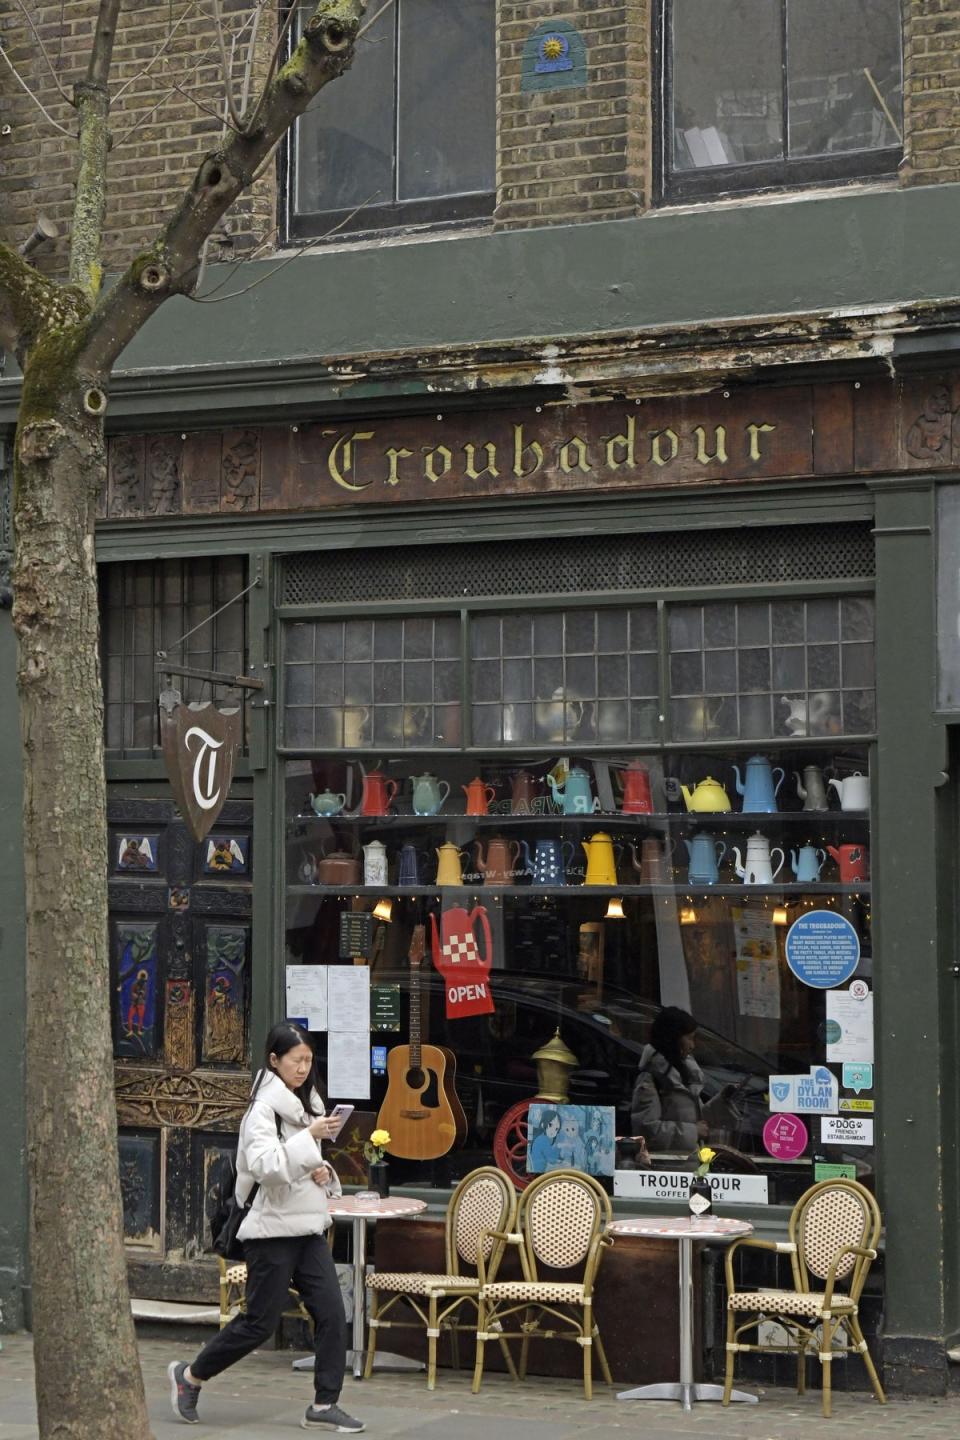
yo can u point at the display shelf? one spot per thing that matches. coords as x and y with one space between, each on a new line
608 817
788 891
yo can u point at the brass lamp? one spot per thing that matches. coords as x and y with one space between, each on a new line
555 1061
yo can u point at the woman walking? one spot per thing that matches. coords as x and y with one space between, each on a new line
283 1234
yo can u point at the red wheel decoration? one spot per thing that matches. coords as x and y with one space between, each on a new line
510 1144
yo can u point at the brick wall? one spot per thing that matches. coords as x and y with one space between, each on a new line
931 62
575 154
160 133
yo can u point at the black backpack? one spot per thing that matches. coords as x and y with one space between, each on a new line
228 1214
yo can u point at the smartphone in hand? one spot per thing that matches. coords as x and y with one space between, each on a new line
340 1113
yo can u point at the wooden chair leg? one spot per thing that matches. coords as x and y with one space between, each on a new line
826 1364
371 1334
508 1359
524 1345
801 1366
478 1363
586 1345
602 1356
432 1333
728 1374
453 1326
861 1345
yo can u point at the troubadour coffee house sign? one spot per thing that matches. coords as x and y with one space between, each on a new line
726 437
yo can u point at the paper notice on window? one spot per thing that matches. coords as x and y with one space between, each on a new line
348 998
307 994
758 968
348 1065
850 1024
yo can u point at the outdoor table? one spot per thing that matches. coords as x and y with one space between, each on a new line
347 1207
684 1229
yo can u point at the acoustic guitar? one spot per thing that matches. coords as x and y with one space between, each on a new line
421 1109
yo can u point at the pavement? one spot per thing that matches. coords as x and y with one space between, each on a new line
262 1399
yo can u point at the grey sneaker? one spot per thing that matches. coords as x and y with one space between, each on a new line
183 1395
333 1418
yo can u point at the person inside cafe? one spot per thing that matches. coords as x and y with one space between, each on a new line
666 1107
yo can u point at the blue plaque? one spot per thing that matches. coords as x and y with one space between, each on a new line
823 949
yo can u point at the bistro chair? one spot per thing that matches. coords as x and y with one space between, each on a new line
233 1294
833 1230
560 1222
481 1209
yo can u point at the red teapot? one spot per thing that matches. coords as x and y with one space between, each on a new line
637 799
378 793
480 796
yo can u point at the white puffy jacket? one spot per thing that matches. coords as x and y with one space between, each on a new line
288 1202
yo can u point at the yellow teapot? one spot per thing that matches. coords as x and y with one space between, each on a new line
601 863
709 795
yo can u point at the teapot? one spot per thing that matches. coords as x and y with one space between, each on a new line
709 795
653 862
574 795
409 869
758 790
427 796
601 861
757 868
374 863
853 862
806 864
480 796
854 791
327 803
547 864
637 799
705 855
811 789
378 792
522 793
449 871
498 866
338 868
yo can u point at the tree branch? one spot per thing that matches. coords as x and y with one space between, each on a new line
172 264
92 97
26 298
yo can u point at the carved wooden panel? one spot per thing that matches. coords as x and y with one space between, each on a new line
141 1172
137 981
226 995
210 1100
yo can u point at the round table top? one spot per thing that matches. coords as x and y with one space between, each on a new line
681 1227
348 1206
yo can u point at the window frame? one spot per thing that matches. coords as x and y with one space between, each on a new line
713 182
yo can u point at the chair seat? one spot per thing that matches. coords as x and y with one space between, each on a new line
417 1282
545 1290
236 1274
789 1302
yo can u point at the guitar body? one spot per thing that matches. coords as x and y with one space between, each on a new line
421 1109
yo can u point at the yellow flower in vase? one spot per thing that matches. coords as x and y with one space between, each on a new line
376 1145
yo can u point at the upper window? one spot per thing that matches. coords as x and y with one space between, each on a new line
407 135
779 92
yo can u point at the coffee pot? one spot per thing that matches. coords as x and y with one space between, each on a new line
601 859
449 871
757 868
574 795
522 791
429 794
547 865
378 792
811 788
653 862
853 862
480 796
499 865
854 791
758 790
327 803
409 867
637 799
705 855
708 795
374 863
806 864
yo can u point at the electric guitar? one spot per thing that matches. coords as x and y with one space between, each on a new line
421 1109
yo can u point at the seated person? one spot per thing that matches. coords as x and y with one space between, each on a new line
666 1108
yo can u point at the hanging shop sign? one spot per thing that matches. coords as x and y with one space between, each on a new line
655 1184
459 959
200 745
823 950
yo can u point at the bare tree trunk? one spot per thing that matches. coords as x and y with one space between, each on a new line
91 1386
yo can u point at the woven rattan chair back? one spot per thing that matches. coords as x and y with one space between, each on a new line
559 1216
484 1200
828 1216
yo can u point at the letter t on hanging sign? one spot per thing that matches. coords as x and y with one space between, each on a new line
200 746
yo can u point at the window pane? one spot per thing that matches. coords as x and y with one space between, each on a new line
727 82
447 83
345 139
834 52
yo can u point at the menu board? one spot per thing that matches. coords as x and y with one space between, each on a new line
356 934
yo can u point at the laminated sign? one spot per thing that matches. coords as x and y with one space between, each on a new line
459 959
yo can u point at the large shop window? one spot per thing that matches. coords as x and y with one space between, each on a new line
407 135
596 813
764 93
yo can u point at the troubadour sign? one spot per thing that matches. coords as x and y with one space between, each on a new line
200 744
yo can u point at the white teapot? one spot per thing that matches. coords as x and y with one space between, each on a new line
757 869
854 791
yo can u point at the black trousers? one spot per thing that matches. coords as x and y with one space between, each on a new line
272 1265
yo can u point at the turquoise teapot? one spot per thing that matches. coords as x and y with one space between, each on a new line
574 795
429 794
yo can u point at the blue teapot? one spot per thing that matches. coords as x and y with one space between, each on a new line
575 794
758 790
547 865
806 863
705 856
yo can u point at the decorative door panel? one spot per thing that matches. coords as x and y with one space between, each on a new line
180 945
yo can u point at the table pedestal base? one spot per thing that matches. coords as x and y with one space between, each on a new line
686 1394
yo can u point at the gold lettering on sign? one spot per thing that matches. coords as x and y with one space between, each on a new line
582 461
446 459
519 450
394 456
720 445
491 466
341 468
755 431
673 441
626 444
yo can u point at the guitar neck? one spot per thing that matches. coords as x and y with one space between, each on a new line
416 959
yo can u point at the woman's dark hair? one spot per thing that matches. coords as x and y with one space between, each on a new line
282 1038
547 1117
666 1032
